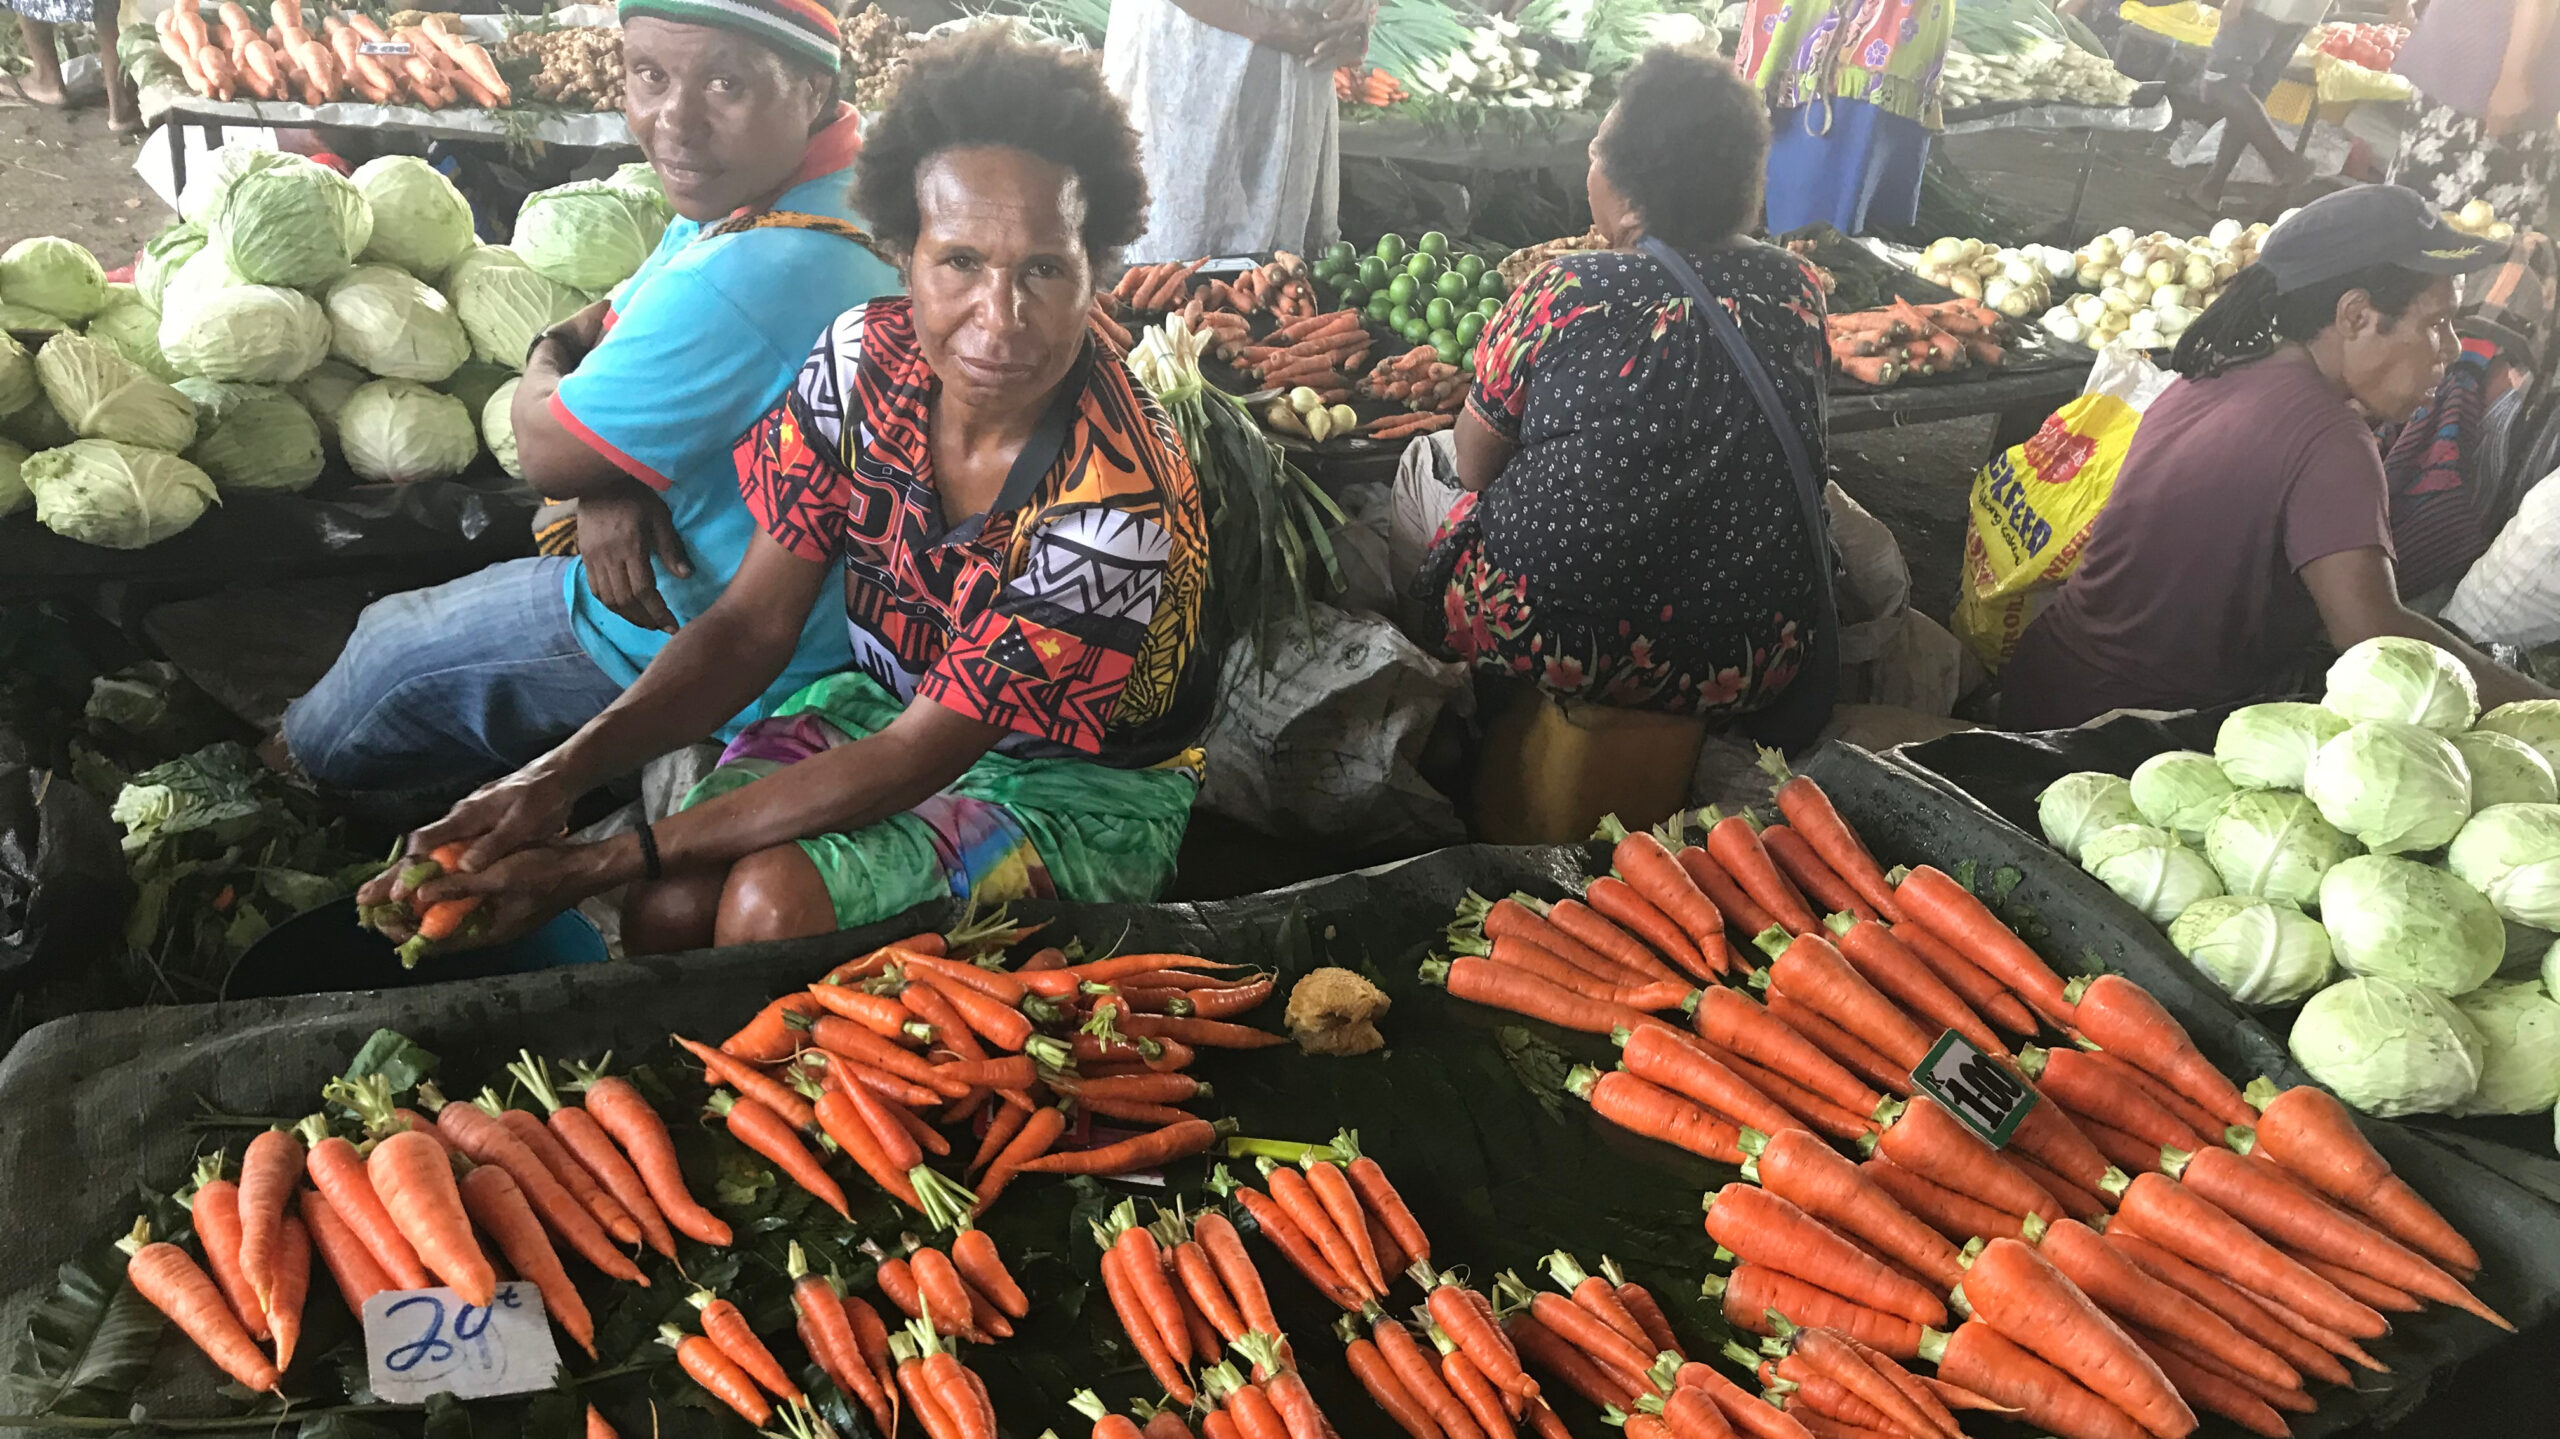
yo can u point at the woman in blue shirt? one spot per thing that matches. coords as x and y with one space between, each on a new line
630 408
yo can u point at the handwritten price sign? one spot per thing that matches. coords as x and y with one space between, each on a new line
419 1342
1975 1088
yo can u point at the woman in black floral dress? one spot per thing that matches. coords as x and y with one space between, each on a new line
1631 535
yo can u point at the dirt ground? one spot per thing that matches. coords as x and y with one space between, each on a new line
61 173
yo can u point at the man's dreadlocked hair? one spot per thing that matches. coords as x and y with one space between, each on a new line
2253 315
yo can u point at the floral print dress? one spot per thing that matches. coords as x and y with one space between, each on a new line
1644 548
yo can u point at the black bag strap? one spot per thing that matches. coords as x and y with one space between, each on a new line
1797 718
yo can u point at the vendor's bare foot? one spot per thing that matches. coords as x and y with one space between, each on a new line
45 92
124 115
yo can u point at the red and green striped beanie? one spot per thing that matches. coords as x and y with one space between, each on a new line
802 30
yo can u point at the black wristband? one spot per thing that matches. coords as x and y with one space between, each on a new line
650 869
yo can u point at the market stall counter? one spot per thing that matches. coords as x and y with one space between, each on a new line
1471 1112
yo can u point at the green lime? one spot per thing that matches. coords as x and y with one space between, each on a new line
1491 285
1354 296
1398 313
1453 286
1470 325
1433 243
1391 247
1381 305
1488 307
1425 268
1340 253
1471 266
1373 271
1446 346
1440 314
1403 289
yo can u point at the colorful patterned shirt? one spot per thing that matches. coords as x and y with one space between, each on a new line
1892 54
1075 621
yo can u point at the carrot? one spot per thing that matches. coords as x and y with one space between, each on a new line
752 1082
1224 1248
1762 1228
625 1115
1198 1279
587 1142
1666 1058
216 1207
771 1037
1161 1146
1921 1395
1834 1356
292 1285
827 1334
2270 1203
1752 1292
164 1276
1146 1334
941 1290
412 1174
1808 1107
1971 982
1601 935
565 1168
1470 1320
1736 848
1690 1412
2236 1307
2306 1130
2292 1398
765 1132
1980 1359
1810 813
1930 1142
1639 1303
2130 1076
482 1139
1956 1217
1327 1227
1001 1128
1513 918
2179 1219
725 1326
896 1280
1889 965
1203 1033
1422 1379
707 1366
2128 1292
1801 1169
2213 1392
1553 1355
1642 1107
1874 370
839 1072
351 1265
976 1257
1814 879
1732 1020
1530 960
2120 1016
2048 1136
1379 1377
1038 1134
1378 1195
2018 1292
1852 1053
1341 1204
2362 1288
268 1173
2077 1081
1598 1299
1635 912
1949 911
998 1023
497 1204
1483 1403
1812 971
844 1124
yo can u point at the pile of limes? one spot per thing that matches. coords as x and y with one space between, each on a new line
1420 291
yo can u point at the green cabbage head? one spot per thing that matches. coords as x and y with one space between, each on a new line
2388 1048
2390 677
13 482
2149 869
37 426
2511 853
2411 922
421 223
399 431
2505 770
2519 1048
259 334
2077 806
2396 787
288 221
2181 791
2269 746
498 427
104 396
163 257
388 321
504 304
2536 722
2273 843
2260 951
57 276
120 496
18 387
133 328
641 178
253 437
323 389
28 317
589 235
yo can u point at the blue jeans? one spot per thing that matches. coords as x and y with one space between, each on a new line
443 689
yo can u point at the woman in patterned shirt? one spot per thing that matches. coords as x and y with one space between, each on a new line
1630 533
1023 556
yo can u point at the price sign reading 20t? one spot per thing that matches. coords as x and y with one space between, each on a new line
1974 1087
420 1342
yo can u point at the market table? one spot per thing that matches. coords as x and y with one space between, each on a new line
1566 142
1461 1108
2147 118
179 107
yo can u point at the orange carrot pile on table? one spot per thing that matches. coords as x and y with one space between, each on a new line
428 63
1372 87
1281 287
1882 346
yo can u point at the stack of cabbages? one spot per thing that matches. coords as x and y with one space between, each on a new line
2390 831
291 312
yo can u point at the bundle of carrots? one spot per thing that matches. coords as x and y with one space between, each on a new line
1321 352
1103 317
1831 1384
1371 87
454 921
1419 380
1156 287
1406 426
1284 287
428 63
1880 346
728 1360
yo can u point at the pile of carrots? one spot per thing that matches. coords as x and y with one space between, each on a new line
1322 352
2150 1242
1373 87
428 63
1283 287
1419 380
1879 347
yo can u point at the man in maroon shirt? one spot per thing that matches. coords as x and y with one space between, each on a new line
2251 517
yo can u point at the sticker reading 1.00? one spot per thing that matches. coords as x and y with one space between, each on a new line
1974 1087
420 1342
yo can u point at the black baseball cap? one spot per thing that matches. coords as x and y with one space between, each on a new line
2367 225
